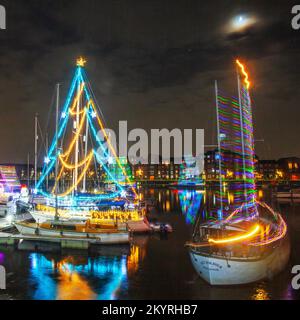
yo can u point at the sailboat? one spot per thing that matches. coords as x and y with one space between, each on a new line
244 240
77 153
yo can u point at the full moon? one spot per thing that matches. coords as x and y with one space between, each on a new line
240 23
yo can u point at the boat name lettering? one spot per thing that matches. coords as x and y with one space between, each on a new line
211 264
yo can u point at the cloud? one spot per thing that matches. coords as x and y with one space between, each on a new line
153 63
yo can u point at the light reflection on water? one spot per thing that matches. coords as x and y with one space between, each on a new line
261 294
66 279
154 267
190 202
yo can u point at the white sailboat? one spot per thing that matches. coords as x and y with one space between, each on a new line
69 209
249 241
74 155
232 253
91 231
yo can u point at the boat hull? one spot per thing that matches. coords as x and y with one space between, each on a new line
43 217
57 235
139 226
222 271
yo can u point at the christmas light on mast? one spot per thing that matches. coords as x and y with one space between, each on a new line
78 143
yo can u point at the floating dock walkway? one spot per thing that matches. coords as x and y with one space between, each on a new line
66 242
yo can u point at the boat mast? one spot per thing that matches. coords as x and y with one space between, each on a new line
77 140
219 150
242 135
47 179
56 151
35 148
28 171
85 153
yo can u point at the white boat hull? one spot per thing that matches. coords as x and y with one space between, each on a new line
220 271
43 217
57 235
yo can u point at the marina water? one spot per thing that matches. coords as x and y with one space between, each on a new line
153 267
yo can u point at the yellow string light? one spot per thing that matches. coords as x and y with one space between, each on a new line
73 166
79 179
78 96
67 153
237 238
247 82
65 165
76 136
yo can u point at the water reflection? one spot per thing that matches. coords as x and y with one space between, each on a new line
190 202
147 268
260 293
69 277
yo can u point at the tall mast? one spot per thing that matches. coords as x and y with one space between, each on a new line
35 147
56 147
242 137
241 124
85 153
219 150
77 140
47 179
28 171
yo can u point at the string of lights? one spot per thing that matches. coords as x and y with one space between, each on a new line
86 115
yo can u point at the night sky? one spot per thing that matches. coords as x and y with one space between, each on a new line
152 63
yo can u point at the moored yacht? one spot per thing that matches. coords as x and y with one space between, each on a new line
245 240
91 230
232 253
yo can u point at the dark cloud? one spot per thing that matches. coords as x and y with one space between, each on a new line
152 63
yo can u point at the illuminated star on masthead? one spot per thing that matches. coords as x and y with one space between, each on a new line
80 62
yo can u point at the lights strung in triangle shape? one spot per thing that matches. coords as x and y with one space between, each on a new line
80 107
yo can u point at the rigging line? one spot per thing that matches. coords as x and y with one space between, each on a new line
41 133
66 154
63 121
76 136
61 148
103 129
78 96
95 162
112 149
62 168
85 79
108 172
118 161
